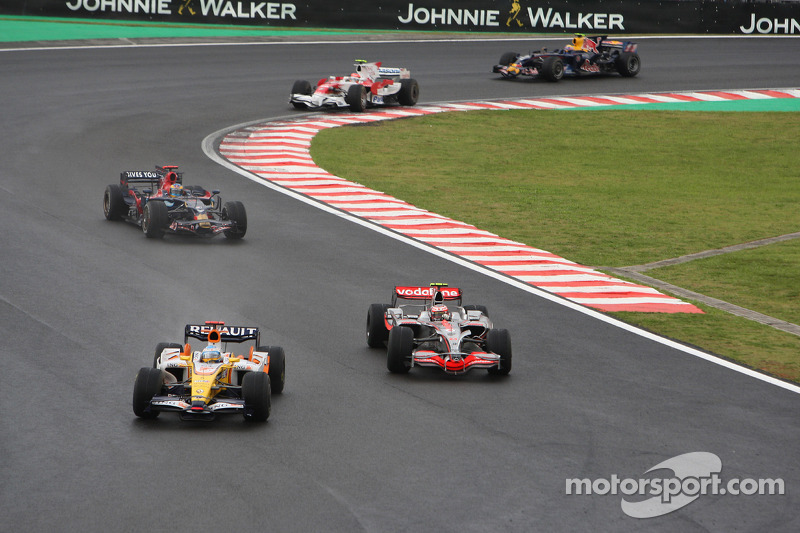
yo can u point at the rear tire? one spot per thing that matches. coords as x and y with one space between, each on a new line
628 64
256 396
277 368
400 346
409 92
356 98
377 334
155 219
114 206
499 341
235 212
552 68
149 382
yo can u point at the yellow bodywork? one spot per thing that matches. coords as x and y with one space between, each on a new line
207 381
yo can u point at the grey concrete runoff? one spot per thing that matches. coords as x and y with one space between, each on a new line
634 272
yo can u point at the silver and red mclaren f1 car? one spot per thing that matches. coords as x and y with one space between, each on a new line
200 383
370 85
428 326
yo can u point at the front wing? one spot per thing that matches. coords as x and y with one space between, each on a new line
455 363
175 400
316 101
205 227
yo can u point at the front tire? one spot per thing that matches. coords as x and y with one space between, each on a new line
356 98
256 396
302 87
508 58
277 368
155 219
409 92
149 382
401 345
499 341
377 333
481 308
235 212
552 68
114 206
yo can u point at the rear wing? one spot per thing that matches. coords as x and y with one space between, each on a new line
226 333
394 72
375 70
151 177
436 293
604 42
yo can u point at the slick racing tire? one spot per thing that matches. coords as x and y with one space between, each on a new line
628 64
277 367
377 333
552 68
481 308
256 396
301 87
508 58
499 341
114 206
160 347
409 92
155 219
235 212
400 346
148 383
356 98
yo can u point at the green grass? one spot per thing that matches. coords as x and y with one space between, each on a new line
765 279
614 188
22 29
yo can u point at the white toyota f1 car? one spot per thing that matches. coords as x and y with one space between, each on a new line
370 85
428 326
199 384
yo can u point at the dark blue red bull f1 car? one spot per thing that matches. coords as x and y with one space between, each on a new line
584 56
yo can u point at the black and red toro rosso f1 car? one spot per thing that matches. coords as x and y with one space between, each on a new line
585 56
428 326
163 205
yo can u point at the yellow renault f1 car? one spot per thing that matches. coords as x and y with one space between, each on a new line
198 384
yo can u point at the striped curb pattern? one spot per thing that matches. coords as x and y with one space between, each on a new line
279 152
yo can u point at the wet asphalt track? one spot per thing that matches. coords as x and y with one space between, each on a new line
349 446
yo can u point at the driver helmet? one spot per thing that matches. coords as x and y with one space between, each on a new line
577 42
176 190
440 312
211 354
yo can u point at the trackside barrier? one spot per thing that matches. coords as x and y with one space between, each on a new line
744 17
